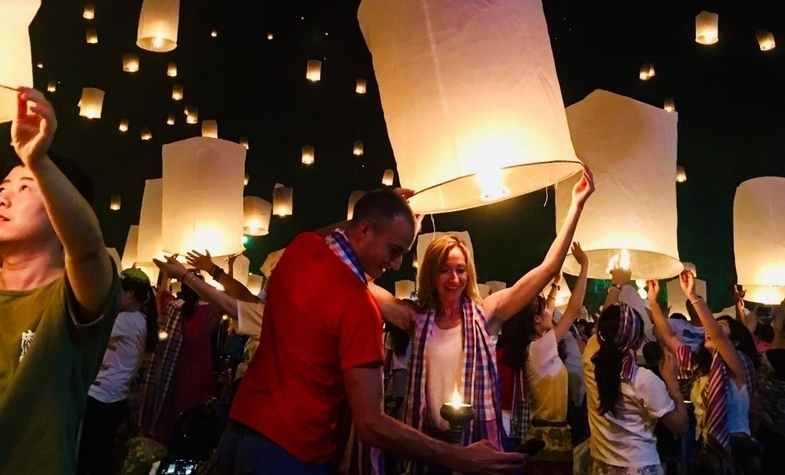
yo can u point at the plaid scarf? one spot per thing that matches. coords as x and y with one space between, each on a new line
479 378
521 408
339 244
628 339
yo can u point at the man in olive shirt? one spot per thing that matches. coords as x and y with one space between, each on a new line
58 293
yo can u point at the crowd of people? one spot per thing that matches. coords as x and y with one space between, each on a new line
104 371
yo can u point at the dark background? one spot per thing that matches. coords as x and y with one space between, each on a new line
729 98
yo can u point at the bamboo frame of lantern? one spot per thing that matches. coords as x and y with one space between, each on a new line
92 102
283 200
669 105
313 70
256 216
91 36
404 289
130 62
361 86
707 30
308 156
178 92
146 134
88 13
766 40
388 177
115 203
210 129
123 125
171 70
15 68
158 25
354 197
681 174
358 149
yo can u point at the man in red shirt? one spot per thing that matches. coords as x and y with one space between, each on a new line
321 348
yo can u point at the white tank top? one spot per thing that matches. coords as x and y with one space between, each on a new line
444 365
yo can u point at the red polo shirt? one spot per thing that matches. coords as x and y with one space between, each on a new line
319 320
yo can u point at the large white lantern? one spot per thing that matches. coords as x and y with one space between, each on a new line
210 129
150 222
16 68
158 24
631 148
91 103
458 83
256 216
707 28
759 238
354 197
131 247
404 289
424 240
677 301
283 200
203 196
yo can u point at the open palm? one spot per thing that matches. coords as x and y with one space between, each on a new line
32 132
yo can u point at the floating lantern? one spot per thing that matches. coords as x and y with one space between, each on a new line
256 216
759 239
177 92
358 149
88 13
171 70
170 119
425 239
270 36
51 86
146 134
681 174
388 177
123 126
210 129
677 301
150 222
192 116
631 148
115 202
214 34
461 141
647 72
163 335
361 86
91 36
244 142
283 200
670 105
354 197
766 40
130 63
313 71
245 182
255 283
707 28
203 196
404 289
15 68
308 155
92 102
158 25
40 65
131 247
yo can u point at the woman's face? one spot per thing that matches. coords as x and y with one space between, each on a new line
452 276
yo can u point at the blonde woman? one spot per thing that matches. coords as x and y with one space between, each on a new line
451 328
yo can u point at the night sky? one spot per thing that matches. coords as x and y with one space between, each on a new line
728 96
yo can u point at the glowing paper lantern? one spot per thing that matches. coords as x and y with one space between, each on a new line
707 28
51 86
158 24
425 239
244 142
270 36
171 70
283 200
631 148
457 97
210 129
647 72
677 301
131 247
759 238
245 182
354 197
361 86
150 222
308 155
496 285
404 289
91 36
358 149
213 33
313 70
670 105
16 67
203 196
388 177
123 125
255 283
115 203
89 12
681 174
130 63
192 117
92 102
177 92
146 134
766 40
170 119
256 216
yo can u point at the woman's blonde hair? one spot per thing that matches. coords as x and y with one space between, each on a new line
435 257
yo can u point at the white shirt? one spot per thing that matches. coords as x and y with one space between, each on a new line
122 358
572 361
625 437
547 377
249 322
444 365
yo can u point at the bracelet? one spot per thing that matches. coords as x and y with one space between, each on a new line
697 299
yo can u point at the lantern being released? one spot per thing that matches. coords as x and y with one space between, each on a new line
131 247
16 67
283 200
256 216
354 197
115 203
158 25
759 238
308 155
631 148
404 289
130 63
388 177
92 102
313 70
361 86
457 413
766 40
210 129
150 222
457 97
707 28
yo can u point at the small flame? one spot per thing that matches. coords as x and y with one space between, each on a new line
456 400
162 335
619 261
158 42
491 184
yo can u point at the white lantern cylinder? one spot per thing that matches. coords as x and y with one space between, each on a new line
91 36
131 247
681 174
496 285
115 202
361 86
256 216
283 200
308 155
192 117
92 102
271 261
707 28
255 283
404 289
358 150
88 13
458 95
677 301
759 238
631 148
669 105
16 67
151 222
130 63
313 70
51 86
171 70
766 40
146 134
354 197
203 196
177 92
170 119
210 129
123 125
158 25
388 177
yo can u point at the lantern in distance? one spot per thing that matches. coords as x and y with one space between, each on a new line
146 134
308 155
758 239
707 28
115 202
130 63
631 149
459 142
92 102
88 13
256 216
177 92
244 143
313 70
358 150
192 117
170 119
214 33
354 197
16 66
51 86
283 200
388 177
158 25
123 126
404 289
669 105
171 70
766 40
91 36
150 222
245 181
647 72
270 36
131 247
361 86
681 174
210 129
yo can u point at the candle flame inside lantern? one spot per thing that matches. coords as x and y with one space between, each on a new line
492 184
619 261
456 400
162 335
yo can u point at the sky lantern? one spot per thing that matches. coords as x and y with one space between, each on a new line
256 216
91 36
123 125
313 70
358 149
158 24
130 62
388 177
131 246
88 13
177 92
631 148
146 134
115 203
171 69
766 40
151 221
361 86
16 68
669 105
308 155
283 200
92 102
707 30
354 197
458 97
210 129
681 174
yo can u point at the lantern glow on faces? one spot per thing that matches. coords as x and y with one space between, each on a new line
358 150
92 102
766 40
210 129
171 70
354 197
308 155
115 203
361 86
283 200
15 67
91 36
707 28
158 25
130 63
313 70
457 142
388 177
256 216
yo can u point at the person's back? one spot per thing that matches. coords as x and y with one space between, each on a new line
127 346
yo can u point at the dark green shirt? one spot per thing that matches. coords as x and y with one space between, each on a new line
47 363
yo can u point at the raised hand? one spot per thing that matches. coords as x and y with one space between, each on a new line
200 261
172 267
579 254
583 189
687 282
32 132
653 289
